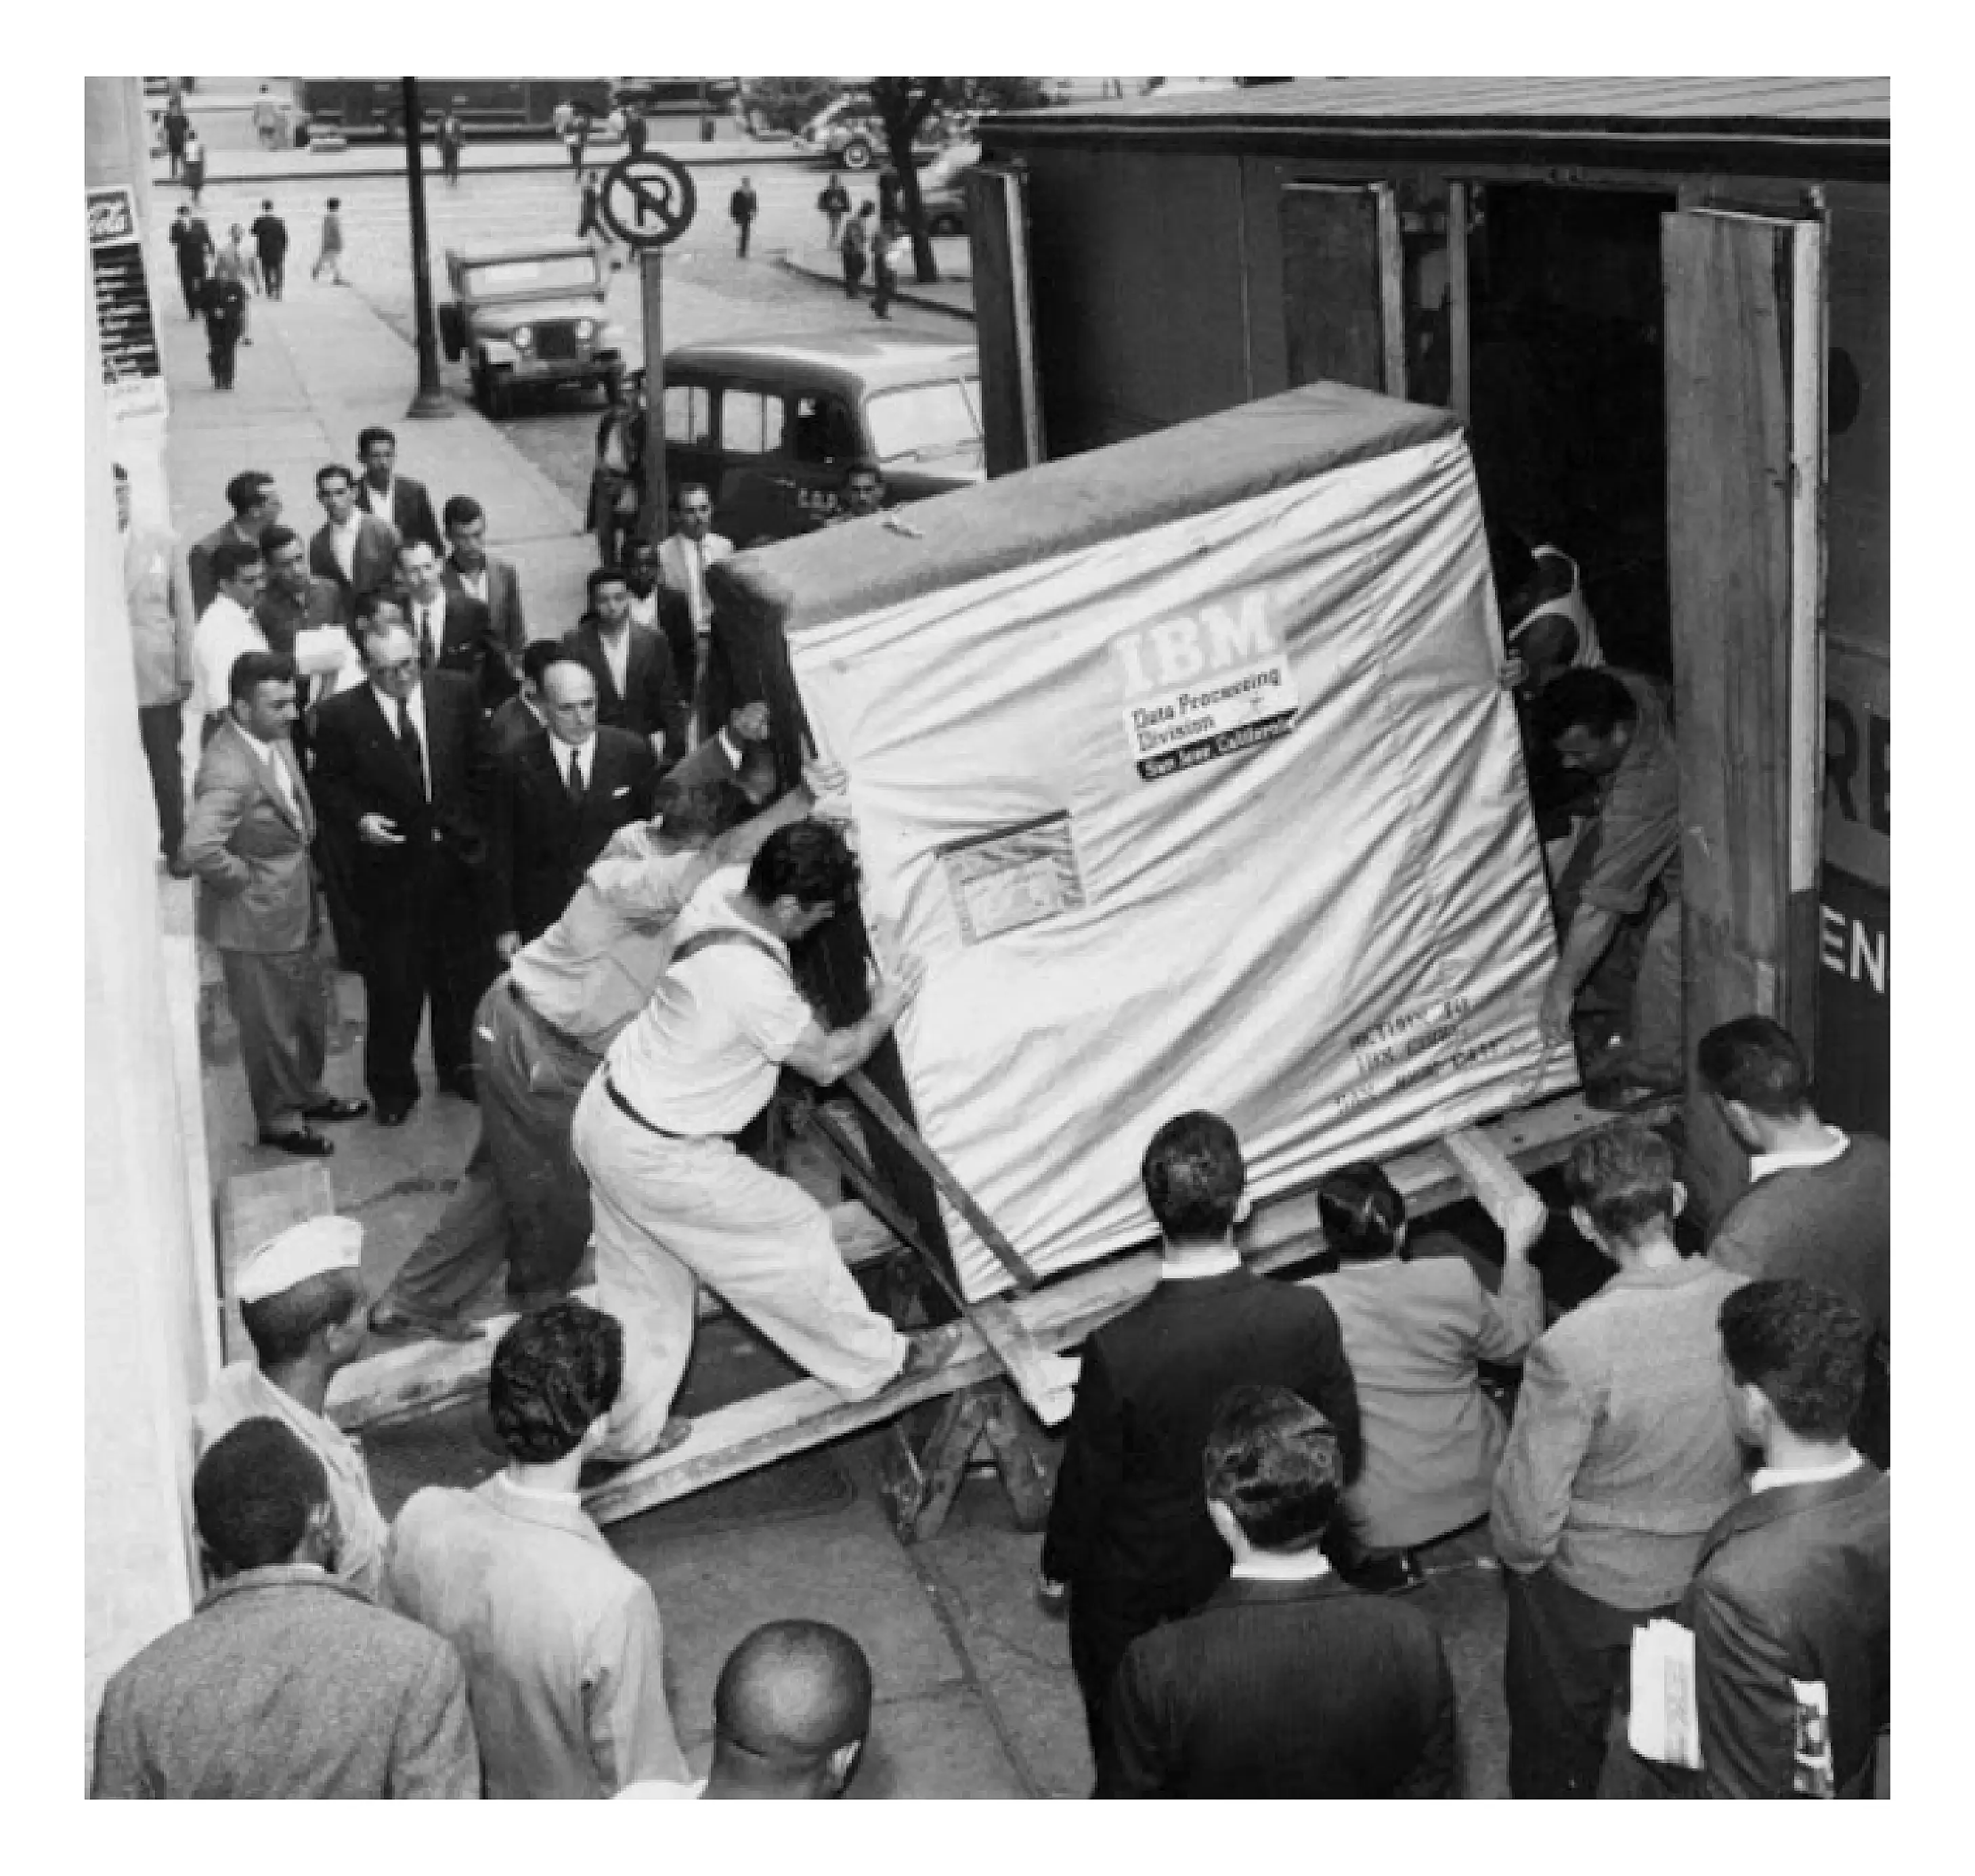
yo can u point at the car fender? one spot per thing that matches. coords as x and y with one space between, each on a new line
498 352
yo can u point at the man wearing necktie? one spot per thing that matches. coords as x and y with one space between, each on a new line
247 843
401 772
683 558
454 631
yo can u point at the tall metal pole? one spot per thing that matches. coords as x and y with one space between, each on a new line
431 400
652 274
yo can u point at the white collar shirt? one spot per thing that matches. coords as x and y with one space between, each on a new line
1192 1264
414 706
617 654
583 753
1772 1478
1765 1165
645 612
267 753
343 542
1301 1566
473 585
428 625
225 630
380 501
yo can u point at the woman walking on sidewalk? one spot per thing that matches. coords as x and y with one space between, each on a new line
331 255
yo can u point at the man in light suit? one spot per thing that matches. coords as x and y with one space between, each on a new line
391 497
286 1682
565 1653
470 569
248 844
684 557
356 551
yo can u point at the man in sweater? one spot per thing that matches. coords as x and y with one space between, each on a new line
1819 1203
1623 1456
565 1657
1129 1531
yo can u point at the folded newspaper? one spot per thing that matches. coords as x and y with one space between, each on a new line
1664 1724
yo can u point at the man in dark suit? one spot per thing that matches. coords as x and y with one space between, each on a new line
271 245
637 687
1129 1531
391 497
519 720
286 1682
356 551
1288 1684
401 769
470 569
247 843
256 505
454 632
741 752
1795 1585
192 243
556 801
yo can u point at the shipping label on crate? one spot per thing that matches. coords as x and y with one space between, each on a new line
1014 877
1205 685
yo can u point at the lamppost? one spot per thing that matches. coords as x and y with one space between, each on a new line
431 400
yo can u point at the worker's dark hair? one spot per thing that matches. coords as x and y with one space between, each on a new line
1755 1060
807 861
605 577
252 1493
791 1693
373 433
329 471
460 511
1510 563
244 491
406 546
538 654
1806 1346
1593 700
232 558
281 1326
700 811
554 1373
1624 1180
861 465
368 604
1194 1175
121 474
267 202
252 669
274 536
1361 1211
335 201
1274 1461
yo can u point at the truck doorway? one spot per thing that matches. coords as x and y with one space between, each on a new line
1567 418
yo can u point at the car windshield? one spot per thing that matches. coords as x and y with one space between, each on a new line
925 420
547 273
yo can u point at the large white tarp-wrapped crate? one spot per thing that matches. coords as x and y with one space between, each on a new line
1184 768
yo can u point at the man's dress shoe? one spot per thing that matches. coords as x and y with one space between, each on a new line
303 1140
333 1109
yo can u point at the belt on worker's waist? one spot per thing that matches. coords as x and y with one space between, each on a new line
629 1112
542 1023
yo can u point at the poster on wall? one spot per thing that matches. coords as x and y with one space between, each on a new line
134 378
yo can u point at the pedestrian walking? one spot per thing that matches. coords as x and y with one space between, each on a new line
177 127
192 245
271 247
270 125
855 249
195 166
635 132
888 253
452 140
576 137
742 206
591 226
230 263
331 253
223 302
835 204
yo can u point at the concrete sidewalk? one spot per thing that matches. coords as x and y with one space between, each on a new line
953 292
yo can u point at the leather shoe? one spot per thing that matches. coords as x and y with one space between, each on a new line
388 1116
463 1082
303 1140
395 1318
333 1109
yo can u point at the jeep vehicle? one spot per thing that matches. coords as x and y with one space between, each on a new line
525 318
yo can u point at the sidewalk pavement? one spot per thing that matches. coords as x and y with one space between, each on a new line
953 292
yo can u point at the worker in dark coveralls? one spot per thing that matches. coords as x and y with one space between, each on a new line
222 302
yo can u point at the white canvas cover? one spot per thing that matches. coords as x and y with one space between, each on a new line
1227 813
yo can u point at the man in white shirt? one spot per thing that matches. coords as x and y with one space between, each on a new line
674 1202
688 552
356 550
227 627
469 568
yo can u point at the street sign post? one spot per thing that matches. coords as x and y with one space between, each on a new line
648 201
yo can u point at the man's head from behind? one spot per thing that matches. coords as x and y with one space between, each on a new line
790 1713
802 875
1753 1067
321 1318
1796 1354
555 1378
695 814
1193 1176
259 1499
1274 1471
1589 717
1622 1191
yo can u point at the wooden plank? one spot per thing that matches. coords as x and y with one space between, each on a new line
1491 1175
918 1486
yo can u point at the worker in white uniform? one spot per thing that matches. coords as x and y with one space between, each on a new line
673 1202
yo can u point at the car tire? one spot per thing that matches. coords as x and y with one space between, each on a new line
858 154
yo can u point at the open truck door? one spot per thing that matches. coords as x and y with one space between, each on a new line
997 222
1745 351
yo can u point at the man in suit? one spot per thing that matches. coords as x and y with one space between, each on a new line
356 551
285 1682
519 720
741 754
1622 1456
636 688
271 243
401 769
564 1650
256 506
157 602
454 632
471 569
1795 1585
687 552
392 498
556 801
1127 1531
249 845
192 246
294 600
655 604
1287 1684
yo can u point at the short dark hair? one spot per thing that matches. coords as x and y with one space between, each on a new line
367 626
1755 1060
538 654
252 1493
554 1373
367 605
281 1326
1806 1346
330 469
604 576
274 536
1274 1461
406 544
460 511
267 202
792 1693
121 474
374 433
1361 1211
807 861
335 201
232 558
687 488
1194 1175
244 491
861 465
1593 700
252 669
700 811
1623 1178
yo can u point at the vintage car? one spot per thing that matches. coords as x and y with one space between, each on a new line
525 318
849 132
771 425
943 188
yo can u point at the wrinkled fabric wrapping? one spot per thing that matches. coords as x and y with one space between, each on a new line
1336 933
